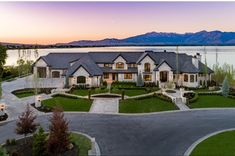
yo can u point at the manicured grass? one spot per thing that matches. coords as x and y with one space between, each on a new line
84 92
144 105
130 92
82 142
22 94
218 145
209 101
68 103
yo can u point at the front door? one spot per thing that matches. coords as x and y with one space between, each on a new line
114 77
164 76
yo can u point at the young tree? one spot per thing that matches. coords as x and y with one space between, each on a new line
58 141
225 87
140 82
39 143
26 123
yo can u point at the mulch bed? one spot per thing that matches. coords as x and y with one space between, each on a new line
4 117
22 148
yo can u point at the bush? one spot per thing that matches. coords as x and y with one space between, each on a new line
3 151
105 83
150 84
193 99
163 97
39 143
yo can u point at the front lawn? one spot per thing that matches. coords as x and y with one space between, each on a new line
85 92
130 92
69 103
218 145
82 142
144 105
209 101
24 94
21 93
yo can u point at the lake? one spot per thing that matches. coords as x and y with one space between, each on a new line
224 54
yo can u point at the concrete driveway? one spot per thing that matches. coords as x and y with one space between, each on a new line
164 134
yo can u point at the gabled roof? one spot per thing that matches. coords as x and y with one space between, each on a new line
146 53
160 64
88 64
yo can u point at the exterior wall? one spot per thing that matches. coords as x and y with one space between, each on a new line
41 63
194 84
147 59
165 67
119 59
121 78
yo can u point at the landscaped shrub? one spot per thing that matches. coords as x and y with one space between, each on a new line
193 99
3 117
3 151
163 97
150 84
225 87
39 143
105 83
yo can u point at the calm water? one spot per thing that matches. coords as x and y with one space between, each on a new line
224 54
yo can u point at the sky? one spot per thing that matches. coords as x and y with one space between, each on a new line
61 22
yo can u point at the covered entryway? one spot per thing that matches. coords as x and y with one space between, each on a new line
164 76
42 72
81 80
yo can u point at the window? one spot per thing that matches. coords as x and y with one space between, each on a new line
42 72
163 76
55 74
106 65
196 78
147 77
106 76
147 67
185 78
132 65
127 76
81 79
119 65
191 78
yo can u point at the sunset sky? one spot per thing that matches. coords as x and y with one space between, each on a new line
56 22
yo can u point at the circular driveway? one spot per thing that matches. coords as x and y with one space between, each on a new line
154 134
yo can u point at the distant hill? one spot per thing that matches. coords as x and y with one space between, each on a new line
161 38
152 38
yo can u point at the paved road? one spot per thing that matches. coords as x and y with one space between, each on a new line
155 134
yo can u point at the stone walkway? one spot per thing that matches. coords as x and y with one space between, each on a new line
178 102
105 105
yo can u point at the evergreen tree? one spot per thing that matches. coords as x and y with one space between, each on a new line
140 82
39 143
3 151
225 87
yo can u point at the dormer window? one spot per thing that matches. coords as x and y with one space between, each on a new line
147 67
119 65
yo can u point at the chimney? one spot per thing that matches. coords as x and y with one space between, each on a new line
196 59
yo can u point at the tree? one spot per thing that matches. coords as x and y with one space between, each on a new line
140 82
225 87
26 124
3 151
3 56
39 143
58 141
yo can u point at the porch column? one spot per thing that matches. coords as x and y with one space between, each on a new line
47 72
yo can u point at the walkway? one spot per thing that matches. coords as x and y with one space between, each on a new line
105 105
178 100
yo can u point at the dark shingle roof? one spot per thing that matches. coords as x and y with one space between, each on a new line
91 59
88 64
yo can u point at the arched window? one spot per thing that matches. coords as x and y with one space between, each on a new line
147 67
55 74
119 65
81 79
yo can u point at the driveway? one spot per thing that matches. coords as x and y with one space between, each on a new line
164 134
15 105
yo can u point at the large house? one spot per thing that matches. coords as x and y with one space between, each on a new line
93 68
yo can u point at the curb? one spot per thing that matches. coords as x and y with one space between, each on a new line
192 147
95 149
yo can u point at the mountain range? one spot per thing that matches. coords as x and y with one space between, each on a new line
152 38
161 38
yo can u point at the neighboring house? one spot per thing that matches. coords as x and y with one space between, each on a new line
94 67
